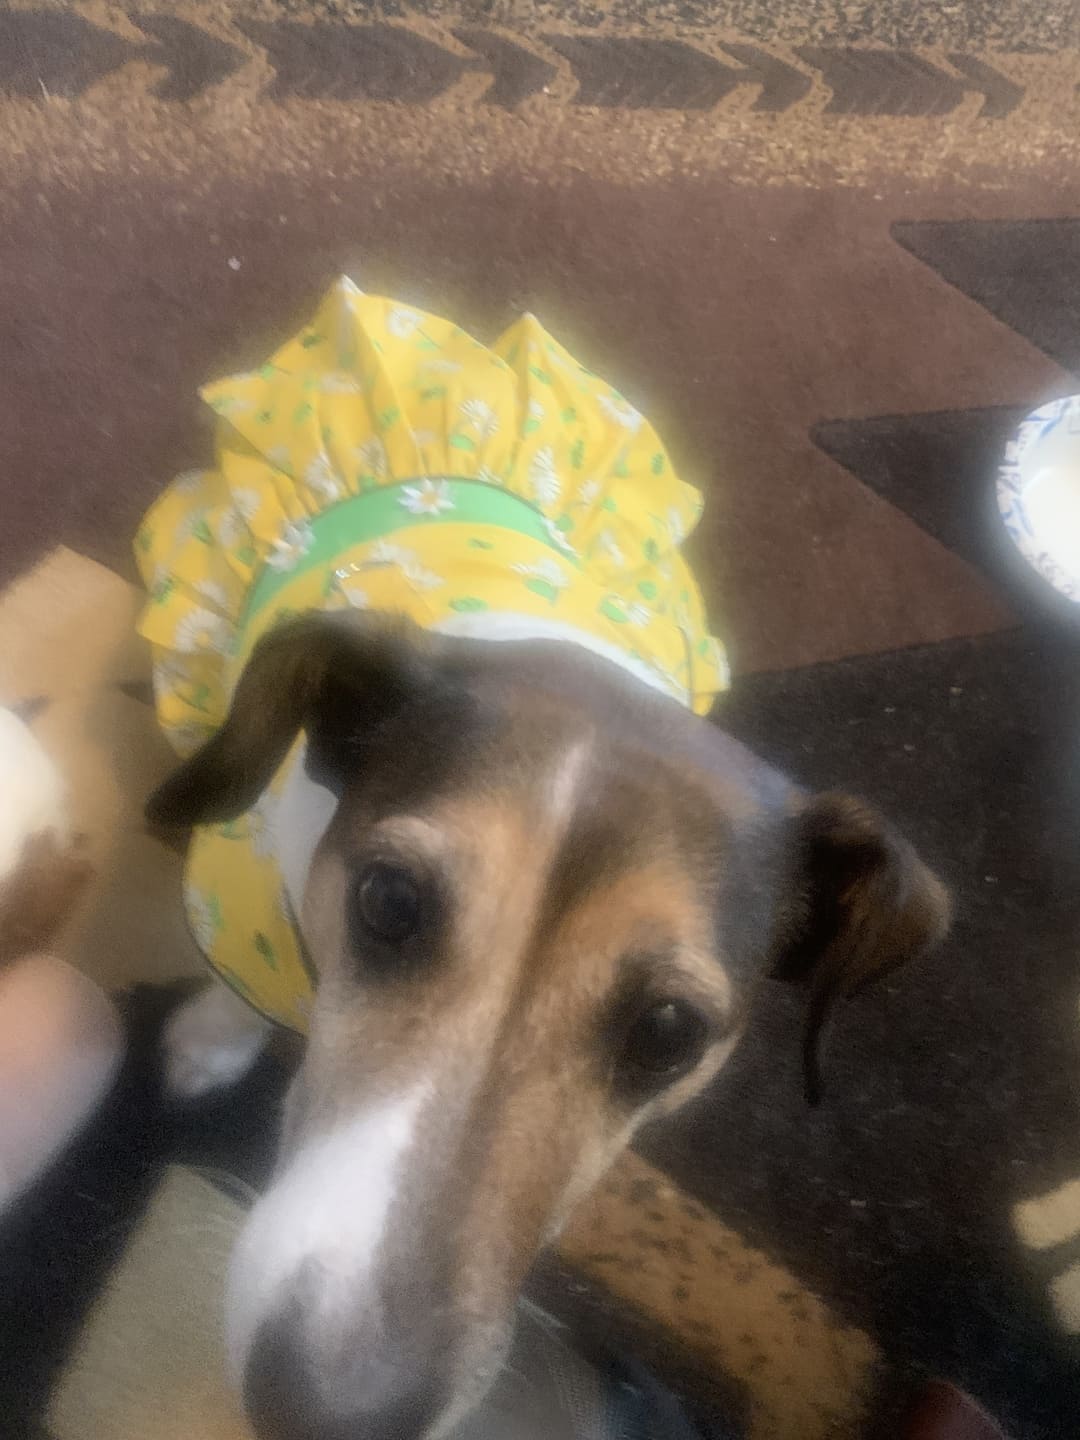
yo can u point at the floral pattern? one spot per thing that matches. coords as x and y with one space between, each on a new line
550 571
407 562
190 482
547 487
195 525
234 520
617 409
609 546
291 546
386 552
280 457
402 323
201 630
481 417
677 527
371 457
231 404
430 497
508 480
202 917
556 536
321 476
214 593
339 382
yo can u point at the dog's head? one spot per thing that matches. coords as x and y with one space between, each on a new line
536 918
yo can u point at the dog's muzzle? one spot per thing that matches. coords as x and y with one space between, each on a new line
394 1393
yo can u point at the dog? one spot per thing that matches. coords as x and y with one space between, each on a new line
535 896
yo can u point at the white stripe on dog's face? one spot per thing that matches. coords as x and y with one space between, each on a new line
563 790
327 1212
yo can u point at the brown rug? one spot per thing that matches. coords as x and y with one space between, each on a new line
834 257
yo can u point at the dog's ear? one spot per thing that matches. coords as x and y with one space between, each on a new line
332 676
864 904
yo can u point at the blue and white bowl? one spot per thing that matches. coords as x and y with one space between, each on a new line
1038 493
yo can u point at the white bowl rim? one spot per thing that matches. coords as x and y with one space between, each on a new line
1011 487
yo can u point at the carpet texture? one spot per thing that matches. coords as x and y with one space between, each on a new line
833 253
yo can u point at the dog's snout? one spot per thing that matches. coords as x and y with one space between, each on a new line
364 1396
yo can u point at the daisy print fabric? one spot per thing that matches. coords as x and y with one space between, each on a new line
384 458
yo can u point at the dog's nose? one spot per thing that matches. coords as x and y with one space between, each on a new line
392 1399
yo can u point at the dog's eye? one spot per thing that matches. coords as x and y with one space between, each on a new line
661 1044
387 903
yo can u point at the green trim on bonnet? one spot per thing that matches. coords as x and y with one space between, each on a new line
379 513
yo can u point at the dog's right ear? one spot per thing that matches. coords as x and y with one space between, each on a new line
863 903
332 676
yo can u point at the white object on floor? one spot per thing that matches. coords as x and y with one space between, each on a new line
34 795
61 1043
211 1041
1038 493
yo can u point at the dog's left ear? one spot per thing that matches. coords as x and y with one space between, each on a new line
333 676
864 904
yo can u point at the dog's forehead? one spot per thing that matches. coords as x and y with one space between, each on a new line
558 766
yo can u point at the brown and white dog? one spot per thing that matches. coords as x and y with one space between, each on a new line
538 898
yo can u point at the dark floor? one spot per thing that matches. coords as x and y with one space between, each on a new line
837 358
